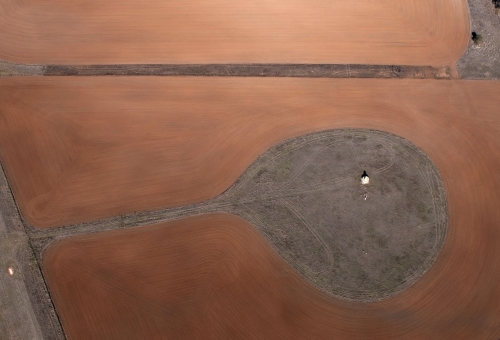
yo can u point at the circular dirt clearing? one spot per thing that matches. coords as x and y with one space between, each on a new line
359 242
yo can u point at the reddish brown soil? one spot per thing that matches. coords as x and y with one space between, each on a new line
214 277
410 32
93 147
82 149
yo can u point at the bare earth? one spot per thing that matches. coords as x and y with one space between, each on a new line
409 32
214 277
80 149
194 136
358 242
481 61
26 310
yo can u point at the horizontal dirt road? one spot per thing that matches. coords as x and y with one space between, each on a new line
214 277
81 149
392 32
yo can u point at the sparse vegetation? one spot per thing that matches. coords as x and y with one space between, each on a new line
317 210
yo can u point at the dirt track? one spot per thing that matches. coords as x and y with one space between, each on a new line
214 277
196 135
71 155
410 32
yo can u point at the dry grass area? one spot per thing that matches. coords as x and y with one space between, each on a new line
408 32
481 61
214 277
80 149
358 242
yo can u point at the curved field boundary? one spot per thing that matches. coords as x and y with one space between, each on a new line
456 123
70 158
214 276
410 32
276 187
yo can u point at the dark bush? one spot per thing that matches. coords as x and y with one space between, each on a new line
476 38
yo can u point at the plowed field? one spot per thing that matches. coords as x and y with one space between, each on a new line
79 149
409 32
214 277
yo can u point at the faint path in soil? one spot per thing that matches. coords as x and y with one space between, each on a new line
455 123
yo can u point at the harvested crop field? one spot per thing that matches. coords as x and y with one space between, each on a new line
214 277
196 136
410 32
80 149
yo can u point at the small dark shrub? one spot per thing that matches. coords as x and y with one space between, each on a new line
476 38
